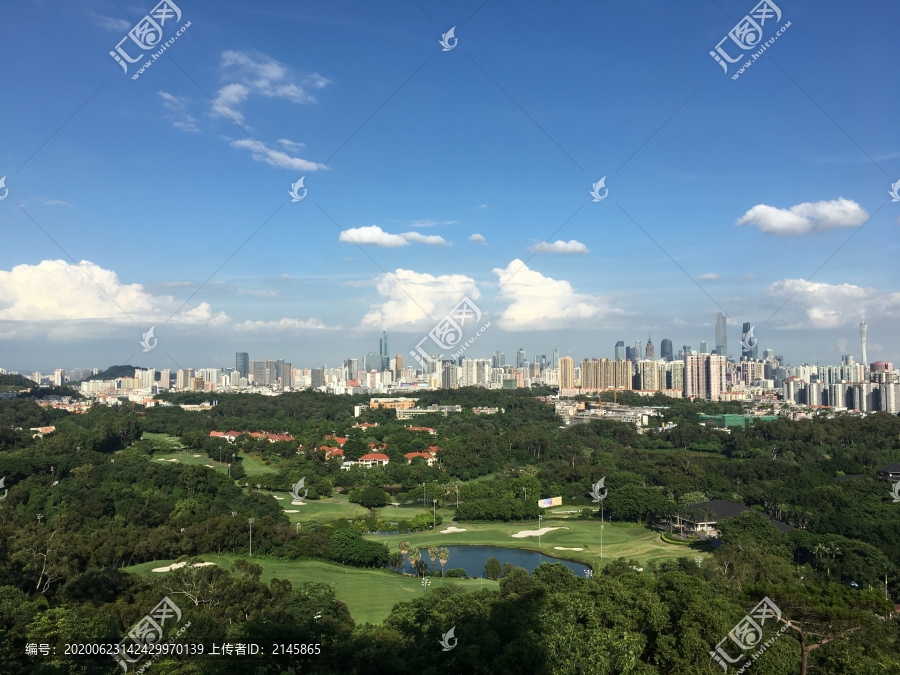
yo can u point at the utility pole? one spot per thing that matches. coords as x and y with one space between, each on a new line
434 520
423 494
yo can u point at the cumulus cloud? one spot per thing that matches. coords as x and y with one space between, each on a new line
262 153
560 246
255 73
805 218
833 305
283 324
409 301
178 113
709 277
55 290
478 239
538 302
373 235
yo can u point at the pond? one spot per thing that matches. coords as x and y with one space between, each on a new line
473 558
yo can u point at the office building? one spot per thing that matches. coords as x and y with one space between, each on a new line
498 360
721 335
632 354
649 350
704 347
449 374
372 361
749 342
352 366
520 358
665 350
287 381
862 335
555 357
398 366
383 352
317 377
620 351
566 373
242 363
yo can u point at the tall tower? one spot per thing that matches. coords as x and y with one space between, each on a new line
649 351
862 335
383 351
721 335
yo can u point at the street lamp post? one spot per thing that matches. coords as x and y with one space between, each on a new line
423 494
251 536
425 584
434 518
540 518
598 493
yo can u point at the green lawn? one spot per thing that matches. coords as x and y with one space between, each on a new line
370 594
624 540
187 457
330 508
162 440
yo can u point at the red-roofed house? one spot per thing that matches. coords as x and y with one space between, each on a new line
331 452
340 440
429 459
374 459
365 425
428 429
433 449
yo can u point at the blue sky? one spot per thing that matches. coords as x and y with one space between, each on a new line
154 186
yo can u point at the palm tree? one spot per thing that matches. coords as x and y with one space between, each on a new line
432 554
443 557
414 556
403 547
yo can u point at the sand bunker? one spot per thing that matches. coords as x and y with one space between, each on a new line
292 510
536 533
563 548
452 529
196 455
210 466
277 497
175 566
174 459
298 503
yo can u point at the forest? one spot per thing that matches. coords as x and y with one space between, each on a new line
89 499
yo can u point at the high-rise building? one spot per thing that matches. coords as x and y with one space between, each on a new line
555 357
704 376
498 360
449 374
665 350
567 373
383 351
721 335
749 342
165 378
704 347
620 350
632 354
862 336
286 379
265 373
372 361
317 377
398 366
242 363
649 350
521 362
352 366
59 377
622 374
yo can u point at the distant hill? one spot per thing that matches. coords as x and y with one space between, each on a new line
15 382
113 372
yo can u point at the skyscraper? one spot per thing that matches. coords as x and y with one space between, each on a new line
242 363
665 350
631 353
567 373
721 335
398 366
372 361
498 360
352 366
521 362
555 357
704 347
383 351
749 343
620 350
649 350
862 334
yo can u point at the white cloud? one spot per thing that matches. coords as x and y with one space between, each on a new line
431 240
806 217
833 305
560 246
478 239
417 296
110 23
58 202
255 73
263 293
432 223
283 324
55 290
262 153
179 115
291 145
481 206
373 235
709 277
538 302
